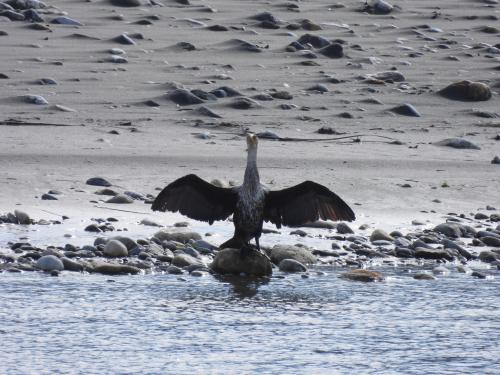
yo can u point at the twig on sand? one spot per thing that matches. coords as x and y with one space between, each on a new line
118 209
14 122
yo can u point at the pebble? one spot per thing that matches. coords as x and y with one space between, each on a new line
458 143
491 241
48 197
120 199
22 217
488 256
50 263
425 253
496 160
380 235
126 3
71 265
174 270
300 254
124 39
66 21
319 88
115 269
115 249
423 276
98 181
343 228
291 265
205 111
118 59
406 110
150 223
333 51
362 275
184 97
244 103
478 275
36 99
314 40
467 91
12 15
389 76
184 260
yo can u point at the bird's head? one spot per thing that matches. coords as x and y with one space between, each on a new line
252 141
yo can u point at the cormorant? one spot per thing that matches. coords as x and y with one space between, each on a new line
251 203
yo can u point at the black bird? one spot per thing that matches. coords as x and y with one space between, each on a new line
251 203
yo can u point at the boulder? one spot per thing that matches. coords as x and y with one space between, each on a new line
231 261
300 254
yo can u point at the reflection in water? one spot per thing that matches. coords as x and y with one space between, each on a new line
244 287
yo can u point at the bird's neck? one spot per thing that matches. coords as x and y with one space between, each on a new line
252 179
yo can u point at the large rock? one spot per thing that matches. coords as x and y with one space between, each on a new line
449 229
71 265
467 91
127 241
115 248
183 237
22 217
231 261
488 256
362 275
300 254
50 263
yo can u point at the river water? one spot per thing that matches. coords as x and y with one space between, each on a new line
163 324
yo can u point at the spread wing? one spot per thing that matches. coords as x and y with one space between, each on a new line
197 199
304 203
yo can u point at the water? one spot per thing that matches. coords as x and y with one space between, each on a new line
158 324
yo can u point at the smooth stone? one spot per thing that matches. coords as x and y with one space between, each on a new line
98 181
402 252
381 7
333 51
380 235
391 75
488 256
174 270
115 269
184 260
33 16
300 254
406 110
36 99
478 275
319 88
182 237
205 111
314 40
120 199
424 276
48 197
128 242
491 241
12 15
291 265
449 229
126 3
244 103
458 143
425 253
448 244
117 51
149 223
94 228
124 39
467 91
343 228
66 21
184 97
22 217
71 265
50 263
496 160
231 261
118 59
362 275
115 248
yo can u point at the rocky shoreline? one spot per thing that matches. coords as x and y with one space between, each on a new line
454 245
